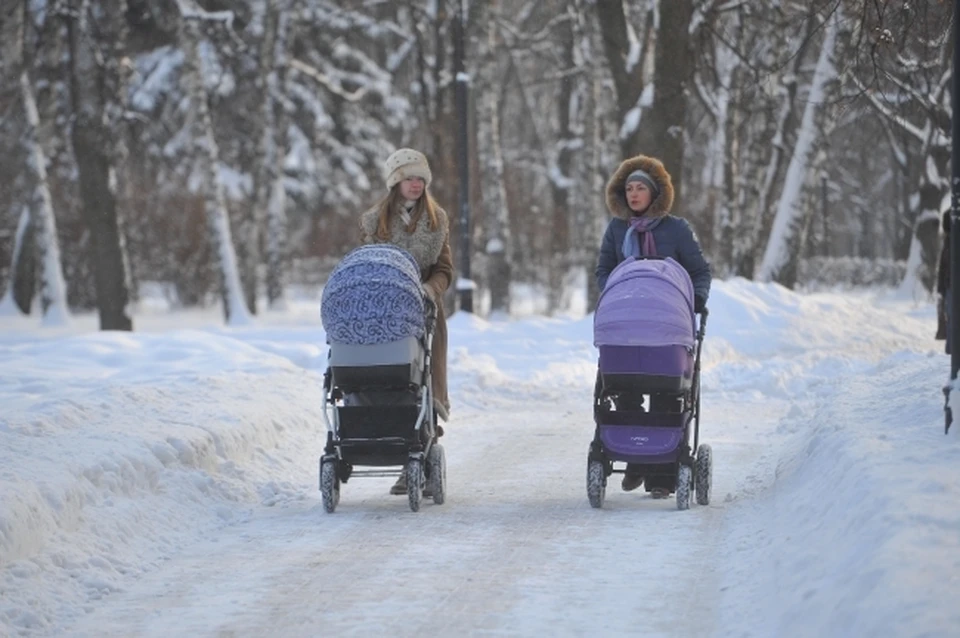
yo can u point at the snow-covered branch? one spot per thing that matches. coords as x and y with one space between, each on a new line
332 85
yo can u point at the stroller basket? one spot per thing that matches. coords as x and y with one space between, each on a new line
377 421
646 369
398 364
376 435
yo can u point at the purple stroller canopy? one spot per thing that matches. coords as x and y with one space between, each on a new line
647 302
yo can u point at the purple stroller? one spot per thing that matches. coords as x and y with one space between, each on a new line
648 382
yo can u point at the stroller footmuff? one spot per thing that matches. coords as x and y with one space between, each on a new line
378 406
647 393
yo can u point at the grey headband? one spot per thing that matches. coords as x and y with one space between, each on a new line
640 175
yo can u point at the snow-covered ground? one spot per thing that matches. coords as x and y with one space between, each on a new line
164 483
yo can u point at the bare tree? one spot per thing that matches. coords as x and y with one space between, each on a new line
490 150
783 249
52 288
207 157
664 124
902 67
269 192
626 52
97 41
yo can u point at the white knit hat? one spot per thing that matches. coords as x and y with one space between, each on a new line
404 163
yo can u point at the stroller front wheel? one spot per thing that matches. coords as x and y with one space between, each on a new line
414 483
703 473
596 483
329 484
684 483
437 473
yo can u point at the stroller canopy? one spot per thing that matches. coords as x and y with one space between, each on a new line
373 296
647 302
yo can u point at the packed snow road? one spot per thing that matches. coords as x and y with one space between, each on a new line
515 550
185 502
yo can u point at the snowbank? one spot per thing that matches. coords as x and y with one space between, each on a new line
836 503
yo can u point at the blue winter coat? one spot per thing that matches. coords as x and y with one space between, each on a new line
674 238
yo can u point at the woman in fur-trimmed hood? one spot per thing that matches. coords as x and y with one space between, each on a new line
640 196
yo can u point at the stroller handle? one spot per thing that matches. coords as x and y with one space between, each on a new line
430 311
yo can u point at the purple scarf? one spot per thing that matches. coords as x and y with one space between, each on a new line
644 245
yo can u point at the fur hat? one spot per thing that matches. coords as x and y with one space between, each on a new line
404 163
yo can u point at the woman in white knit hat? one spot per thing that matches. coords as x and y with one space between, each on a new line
408 217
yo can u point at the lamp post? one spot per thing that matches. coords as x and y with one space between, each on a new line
464 282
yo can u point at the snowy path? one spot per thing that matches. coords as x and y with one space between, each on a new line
515 550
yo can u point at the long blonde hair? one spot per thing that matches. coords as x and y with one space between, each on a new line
392 202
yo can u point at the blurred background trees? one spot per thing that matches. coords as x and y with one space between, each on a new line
223 149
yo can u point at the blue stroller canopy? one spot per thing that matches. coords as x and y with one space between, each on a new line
373 296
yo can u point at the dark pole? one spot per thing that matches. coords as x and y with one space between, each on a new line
825 249
953 326
464 283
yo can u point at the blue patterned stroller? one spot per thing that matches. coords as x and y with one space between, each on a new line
378 403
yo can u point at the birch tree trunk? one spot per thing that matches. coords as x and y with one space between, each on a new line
97 95
496 211
21 286
207 156
780 256
561 170
934 187
746 247
52 288
589 217
718 169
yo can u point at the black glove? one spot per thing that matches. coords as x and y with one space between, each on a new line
699 303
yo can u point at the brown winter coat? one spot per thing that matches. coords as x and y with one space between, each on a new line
431 249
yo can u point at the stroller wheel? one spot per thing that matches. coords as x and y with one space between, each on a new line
684 485
703 474
329 484
437 473
596 483
414 483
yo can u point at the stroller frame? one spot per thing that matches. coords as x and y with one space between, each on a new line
401 432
